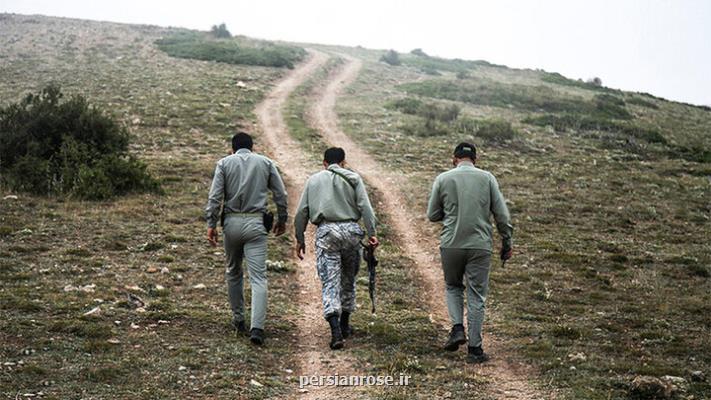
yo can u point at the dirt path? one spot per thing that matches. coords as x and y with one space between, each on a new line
507 380
313 335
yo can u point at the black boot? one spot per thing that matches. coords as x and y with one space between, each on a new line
456 338
346 329
336 335
257 336
476 355
240 327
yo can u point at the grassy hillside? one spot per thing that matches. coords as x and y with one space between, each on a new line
609 191
610 275
61 258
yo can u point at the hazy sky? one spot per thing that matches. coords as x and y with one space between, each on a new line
657 46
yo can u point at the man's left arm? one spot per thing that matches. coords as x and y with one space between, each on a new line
276 185
501 216
365 208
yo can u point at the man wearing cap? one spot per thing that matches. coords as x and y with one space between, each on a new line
464 198
335 200
241 184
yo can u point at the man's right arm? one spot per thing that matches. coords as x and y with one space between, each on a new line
214 199
435 211
301 219
501 213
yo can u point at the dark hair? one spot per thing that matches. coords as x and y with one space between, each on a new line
241 140
464 150
334 155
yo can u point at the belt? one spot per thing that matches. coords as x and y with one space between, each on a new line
337 222
243 214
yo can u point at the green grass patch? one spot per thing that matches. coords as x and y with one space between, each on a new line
201 46
481 91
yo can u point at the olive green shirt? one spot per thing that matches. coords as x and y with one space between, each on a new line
330 197
464 198
243 181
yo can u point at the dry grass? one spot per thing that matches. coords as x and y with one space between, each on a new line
611 253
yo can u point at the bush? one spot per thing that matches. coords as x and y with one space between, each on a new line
559 79
607 105
597 123
53 147
198 46
429 111
418 52
220 31
488 92
495 130
391 57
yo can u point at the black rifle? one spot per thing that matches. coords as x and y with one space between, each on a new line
369 257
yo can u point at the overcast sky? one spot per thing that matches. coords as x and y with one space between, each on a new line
658 46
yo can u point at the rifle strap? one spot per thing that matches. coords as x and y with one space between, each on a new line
345 178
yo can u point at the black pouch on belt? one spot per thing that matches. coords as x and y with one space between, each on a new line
268 220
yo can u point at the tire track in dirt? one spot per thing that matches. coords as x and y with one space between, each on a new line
313 334
507 380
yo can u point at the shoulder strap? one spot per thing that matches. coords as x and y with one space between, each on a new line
345 178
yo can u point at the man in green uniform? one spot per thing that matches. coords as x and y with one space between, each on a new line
464 198
241 184
334 200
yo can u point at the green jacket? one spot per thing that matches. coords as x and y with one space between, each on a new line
464 198
334 195
243 181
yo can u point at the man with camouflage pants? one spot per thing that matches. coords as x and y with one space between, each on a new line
464 198
242 181
334 200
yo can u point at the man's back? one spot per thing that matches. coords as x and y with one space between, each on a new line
464 199
333 195
243 180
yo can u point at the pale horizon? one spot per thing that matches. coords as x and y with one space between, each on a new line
659 47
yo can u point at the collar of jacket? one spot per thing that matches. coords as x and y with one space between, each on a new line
243 151
334 166
463 164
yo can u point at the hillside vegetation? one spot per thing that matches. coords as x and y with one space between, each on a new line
609 192
122 298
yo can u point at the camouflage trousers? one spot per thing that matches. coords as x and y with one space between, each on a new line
338 254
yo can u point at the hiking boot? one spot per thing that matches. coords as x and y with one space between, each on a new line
456 338
336 335
240 327
476 355
346 329
257 336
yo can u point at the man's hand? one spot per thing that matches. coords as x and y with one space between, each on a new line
279 229
373 242
212 236
506 252
300 250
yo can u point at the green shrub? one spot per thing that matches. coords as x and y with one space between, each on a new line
429 63
49 146
607 105
597 123
391 57
220 31
641 102
407 105
495 130
194 45
428 111
491 93
559 79
418 52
